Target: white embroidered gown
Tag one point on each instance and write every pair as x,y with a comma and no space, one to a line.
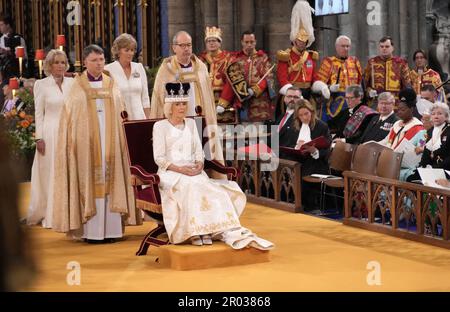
49,101
194,205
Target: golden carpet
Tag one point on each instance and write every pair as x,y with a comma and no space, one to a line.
311,254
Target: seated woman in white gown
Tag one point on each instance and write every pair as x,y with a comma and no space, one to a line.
195,207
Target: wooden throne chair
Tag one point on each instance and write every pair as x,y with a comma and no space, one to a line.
144,177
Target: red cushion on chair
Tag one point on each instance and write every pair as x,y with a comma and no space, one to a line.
138,134
149,195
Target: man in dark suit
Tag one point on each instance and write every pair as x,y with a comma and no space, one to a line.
379,126
286,121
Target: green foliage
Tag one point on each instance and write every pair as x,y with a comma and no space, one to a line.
151,76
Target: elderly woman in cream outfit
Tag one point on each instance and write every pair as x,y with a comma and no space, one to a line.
195,207
130,77
49,96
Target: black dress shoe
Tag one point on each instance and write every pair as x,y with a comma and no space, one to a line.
95,241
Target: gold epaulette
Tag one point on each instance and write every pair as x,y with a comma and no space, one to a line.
314,55
284,55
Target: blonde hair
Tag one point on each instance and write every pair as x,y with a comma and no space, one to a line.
304,104
50,59
167,109
123,41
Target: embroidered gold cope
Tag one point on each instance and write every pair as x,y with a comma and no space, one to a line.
79,178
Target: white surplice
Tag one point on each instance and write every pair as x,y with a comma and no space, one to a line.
49,100
105,224
134,90
197,205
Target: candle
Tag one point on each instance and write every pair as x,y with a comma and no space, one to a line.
13,84
20,52
40,55
60,41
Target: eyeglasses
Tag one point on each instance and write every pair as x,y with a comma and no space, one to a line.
293,97
350,97
184,45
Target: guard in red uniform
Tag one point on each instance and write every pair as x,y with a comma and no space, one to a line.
249,82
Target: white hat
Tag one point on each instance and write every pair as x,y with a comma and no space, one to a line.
301,22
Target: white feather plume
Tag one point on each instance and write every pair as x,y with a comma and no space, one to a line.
302,18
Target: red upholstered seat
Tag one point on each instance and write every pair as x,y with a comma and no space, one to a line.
144,177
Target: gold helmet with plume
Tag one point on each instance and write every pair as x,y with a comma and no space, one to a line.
301,22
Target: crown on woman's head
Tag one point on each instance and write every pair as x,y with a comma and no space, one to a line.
177,92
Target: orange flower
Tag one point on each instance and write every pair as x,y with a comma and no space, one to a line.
24,124
13,112
22,114
30,118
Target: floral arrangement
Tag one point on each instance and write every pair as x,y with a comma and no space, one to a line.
20,124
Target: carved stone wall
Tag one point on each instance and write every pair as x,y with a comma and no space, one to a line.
438,18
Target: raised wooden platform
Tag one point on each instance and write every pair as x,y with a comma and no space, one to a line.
188,257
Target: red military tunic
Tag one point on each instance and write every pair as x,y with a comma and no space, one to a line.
296,68
217,64
259,107
349,71
428,76
345,72
387,75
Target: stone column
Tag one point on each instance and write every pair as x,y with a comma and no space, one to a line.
348,25
425,31
205,15
261,10
181,17
430,21
278,26
404,28
326,32
225,20
210,13
375,32
438,12
413,32
246,19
